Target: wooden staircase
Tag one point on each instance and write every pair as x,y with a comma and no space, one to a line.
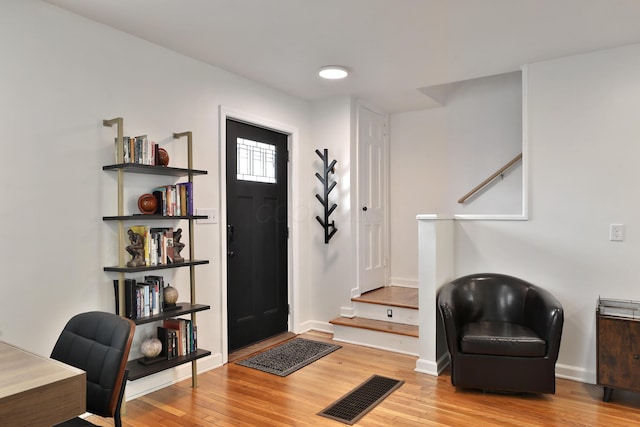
386,318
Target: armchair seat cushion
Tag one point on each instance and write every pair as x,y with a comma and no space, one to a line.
501,338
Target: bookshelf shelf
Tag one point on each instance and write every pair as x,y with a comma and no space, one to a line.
137,370
123,167
153,170
139,217
185,308
186,263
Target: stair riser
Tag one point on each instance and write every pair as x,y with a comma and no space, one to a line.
376,339
407,316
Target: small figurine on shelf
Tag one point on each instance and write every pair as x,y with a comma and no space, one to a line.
177,245
170,296
151,349
136,250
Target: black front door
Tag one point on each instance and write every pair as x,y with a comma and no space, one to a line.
257,302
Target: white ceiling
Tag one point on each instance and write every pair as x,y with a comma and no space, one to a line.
393,47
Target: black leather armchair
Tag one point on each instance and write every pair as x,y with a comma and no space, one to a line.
502,333
99,344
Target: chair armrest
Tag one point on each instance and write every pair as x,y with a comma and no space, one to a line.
452,326
544,314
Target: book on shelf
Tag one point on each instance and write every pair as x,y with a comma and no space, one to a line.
138,149
178,326
169,339
116,289
186,335
142,298
182,191
160,193
174,200
130,299
162,242
185,190
157,285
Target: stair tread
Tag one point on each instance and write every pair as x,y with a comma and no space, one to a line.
377,325
396,296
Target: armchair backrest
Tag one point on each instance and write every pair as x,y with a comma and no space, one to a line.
98,343
490,297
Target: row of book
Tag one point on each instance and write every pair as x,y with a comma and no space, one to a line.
179,337
140,150
161,244
143,298
174,200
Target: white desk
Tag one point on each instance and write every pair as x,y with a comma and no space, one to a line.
38,391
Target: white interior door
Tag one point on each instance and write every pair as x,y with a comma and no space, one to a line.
372,199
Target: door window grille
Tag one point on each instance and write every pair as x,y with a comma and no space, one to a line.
256,161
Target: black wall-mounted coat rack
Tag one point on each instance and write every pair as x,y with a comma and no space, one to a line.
329,227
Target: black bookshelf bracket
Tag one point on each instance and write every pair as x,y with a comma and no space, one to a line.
329,227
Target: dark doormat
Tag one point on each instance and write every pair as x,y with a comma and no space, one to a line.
355,404
289,357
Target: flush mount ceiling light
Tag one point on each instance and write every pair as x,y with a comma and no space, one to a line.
333,72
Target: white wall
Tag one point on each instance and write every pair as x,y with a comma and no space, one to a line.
442,153
61,76
584,151
332,265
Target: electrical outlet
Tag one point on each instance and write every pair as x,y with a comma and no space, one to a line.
616,232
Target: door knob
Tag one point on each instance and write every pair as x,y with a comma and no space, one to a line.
230,254
364,208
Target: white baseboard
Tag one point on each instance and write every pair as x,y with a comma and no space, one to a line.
407,283
432,368
349,312
575,373
314,325
566,372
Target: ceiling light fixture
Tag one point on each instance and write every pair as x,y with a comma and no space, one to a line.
333,72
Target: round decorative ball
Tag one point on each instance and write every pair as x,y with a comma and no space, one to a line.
151,348
147,204
170,295
163,157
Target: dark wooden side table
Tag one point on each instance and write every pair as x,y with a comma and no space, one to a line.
618,345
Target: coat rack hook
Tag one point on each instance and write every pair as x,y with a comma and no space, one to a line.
328,167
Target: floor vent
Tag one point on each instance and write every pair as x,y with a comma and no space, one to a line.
355,404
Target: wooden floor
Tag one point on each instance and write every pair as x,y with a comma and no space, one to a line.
237,396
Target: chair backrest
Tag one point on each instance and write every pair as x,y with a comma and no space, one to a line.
99,344
490,297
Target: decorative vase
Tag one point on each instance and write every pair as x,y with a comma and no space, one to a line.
163,157
170,296
151,348
148,204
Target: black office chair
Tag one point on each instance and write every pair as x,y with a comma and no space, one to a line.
99,344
